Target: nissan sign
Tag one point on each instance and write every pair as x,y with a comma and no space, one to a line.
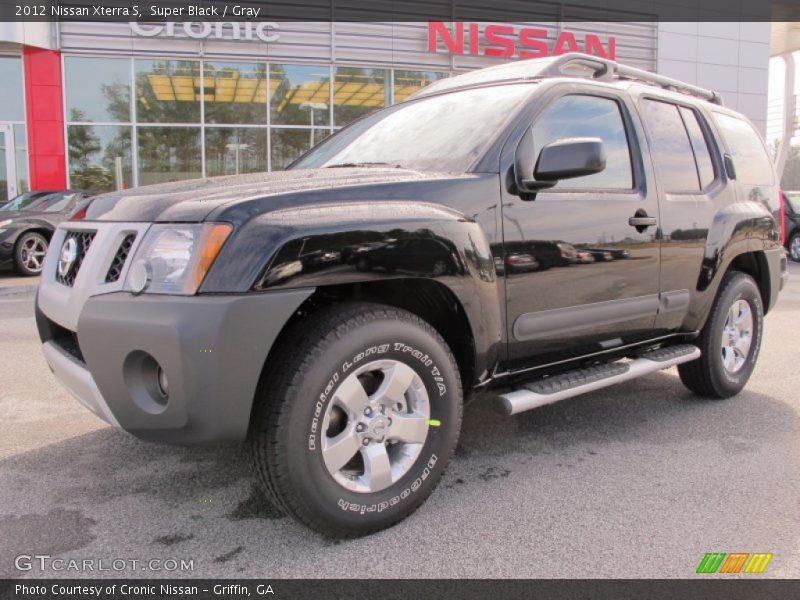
507,41
201,30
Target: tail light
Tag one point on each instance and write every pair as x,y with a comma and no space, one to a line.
80,215
782,208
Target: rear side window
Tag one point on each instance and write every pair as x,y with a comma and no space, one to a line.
588,116
672,150
702,154
753,166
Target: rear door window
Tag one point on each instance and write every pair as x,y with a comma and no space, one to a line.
672,152
702,153
750,159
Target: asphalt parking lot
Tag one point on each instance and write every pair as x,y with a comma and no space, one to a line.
640,480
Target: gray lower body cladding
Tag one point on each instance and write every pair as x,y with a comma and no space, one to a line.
212,349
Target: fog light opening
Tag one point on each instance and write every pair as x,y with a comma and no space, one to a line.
163,383
146,382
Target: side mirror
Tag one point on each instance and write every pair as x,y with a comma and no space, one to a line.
569,158
563,159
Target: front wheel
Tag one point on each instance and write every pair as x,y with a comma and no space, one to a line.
730,340
356,427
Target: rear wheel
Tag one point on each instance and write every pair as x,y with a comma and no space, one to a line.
358,423
29,253
730,340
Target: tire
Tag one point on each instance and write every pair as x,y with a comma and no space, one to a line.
313,399
708,375
794,247
29,252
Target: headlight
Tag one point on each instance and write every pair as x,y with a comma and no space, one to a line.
174,259
6,222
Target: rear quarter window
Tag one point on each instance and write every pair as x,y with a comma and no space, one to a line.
750,158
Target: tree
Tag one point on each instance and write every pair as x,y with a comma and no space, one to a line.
83,143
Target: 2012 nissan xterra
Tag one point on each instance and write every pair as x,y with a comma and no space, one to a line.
543,228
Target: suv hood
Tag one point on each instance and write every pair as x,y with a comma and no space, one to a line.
194,200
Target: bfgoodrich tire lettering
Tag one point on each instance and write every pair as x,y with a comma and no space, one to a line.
292,422
708,375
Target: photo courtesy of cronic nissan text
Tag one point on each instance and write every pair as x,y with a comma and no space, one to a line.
432,299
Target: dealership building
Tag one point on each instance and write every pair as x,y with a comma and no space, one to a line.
102,106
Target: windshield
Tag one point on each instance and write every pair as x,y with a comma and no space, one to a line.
794,200
41,201
437,133
22,201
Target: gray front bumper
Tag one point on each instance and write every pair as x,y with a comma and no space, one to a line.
212,348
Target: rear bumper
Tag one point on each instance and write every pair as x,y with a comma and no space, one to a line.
211,348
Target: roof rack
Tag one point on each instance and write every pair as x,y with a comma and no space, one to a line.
609,70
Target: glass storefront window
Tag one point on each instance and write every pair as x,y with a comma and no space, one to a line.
169,154
21,143
168,91
12,104
99,157
13,161
98,89
300,95
179,104
5,196
289,144
235,93
235,150
358,91
409,82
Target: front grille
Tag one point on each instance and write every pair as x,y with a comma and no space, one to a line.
84,240
115,270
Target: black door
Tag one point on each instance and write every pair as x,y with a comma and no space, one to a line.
690,192
597,281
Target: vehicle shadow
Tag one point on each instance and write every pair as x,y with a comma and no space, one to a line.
656,409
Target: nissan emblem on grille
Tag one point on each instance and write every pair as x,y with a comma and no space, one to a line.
69,253
71,256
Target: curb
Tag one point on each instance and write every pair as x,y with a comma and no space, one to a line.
13,290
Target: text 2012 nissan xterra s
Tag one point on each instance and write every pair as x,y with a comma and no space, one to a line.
544,228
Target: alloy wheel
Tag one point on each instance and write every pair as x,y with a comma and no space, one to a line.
32,254
794,248
737,336
375,426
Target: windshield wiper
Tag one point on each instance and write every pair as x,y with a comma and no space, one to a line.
360,164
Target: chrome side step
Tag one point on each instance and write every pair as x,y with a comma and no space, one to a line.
573,383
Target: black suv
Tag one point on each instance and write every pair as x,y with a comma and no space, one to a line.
298,311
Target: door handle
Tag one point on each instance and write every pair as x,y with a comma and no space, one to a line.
644,222
641,221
